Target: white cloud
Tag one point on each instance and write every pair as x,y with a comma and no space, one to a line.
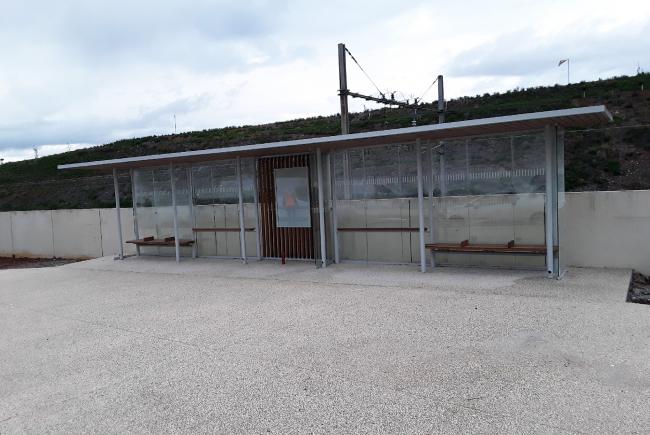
94,72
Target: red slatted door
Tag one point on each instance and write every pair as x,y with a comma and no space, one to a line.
281,242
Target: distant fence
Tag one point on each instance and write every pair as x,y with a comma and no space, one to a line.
601,229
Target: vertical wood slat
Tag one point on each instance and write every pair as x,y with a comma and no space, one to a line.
276,242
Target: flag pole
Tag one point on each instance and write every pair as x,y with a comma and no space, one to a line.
568,69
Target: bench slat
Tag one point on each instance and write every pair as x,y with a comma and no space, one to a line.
508,248
161,242
220,230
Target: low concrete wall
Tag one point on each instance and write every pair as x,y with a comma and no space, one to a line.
599,229
608,229
82,234
6,236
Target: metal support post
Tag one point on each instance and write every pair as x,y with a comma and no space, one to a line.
512,161
423,259
242,230
321,208
550,199
136,232
190,187
467,172
117,212
177,242
258,226
343,91
560,197
335,224
441,100
431,205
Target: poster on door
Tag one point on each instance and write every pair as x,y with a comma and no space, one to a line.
293,209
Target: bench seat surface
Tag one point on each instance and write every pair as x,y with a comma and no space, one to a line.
487,248
161,242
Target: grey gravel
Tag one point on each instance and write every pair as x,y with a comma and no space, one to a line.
146,345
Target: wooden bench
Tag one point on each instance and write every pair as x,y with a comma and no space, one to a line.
506,248
219,230
167,241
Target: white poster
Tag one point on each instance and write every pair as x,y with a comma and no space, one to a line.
292,207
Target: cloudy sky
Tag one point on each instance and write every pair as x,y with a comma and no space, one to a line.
75,73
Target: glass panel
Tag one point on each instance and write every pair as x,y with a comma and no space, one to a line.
183,205
453,173
490,161
408,171
529,181
143,187
390,245
382,172
493,194
487,190
162,201
216,199
204,215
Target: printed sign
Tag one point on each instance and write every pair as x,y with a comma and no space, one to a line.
292,207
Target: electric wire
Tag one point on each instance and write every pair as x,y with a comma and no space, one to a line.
428,89
366,74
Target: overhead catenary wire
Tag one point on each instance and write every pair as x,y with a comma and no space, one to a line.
365,73
428,89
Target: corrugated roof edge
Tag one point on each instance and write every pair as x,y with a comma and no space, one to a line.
600,112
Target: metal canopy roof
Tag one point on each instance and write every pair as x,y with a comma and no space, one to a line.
576,117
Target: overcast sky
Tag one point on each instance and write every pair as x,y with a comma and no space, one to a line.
83,72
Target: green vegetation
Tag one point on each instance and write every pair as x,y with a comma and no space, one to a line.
614,158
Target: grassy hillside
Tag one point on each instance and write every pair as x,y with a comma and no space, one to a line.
615,158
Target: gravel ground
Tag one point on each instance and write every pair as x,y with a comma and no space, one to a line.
639,291
205,346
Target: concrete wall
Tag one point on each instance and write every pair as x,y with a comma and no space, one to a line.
601,229
608,229
86,233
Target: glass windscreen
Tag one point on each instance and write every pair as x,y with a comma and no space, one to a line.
486,190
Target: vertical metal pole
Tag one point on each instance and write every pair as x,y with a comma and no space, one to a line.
441,119
343,91
190,187
345,119
432,206
512,161
117,212
549,139
335,224
242,230
136,231
423,259
441,100
321,208
258,226
560,198
467,173
177,242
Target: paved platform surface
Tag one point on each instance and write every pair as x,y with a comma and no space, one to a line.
205,346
